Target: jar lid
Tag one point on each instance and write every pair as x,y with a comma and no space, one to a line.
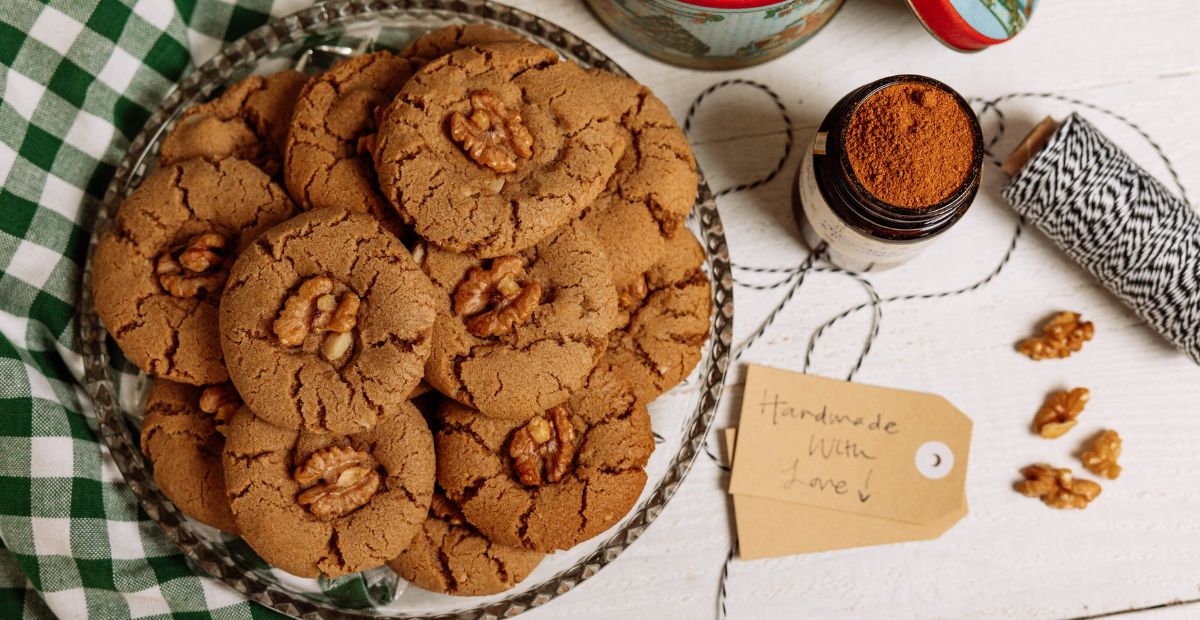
972,25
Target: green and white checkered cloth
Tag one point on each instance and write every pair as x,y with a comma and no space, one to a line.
78,79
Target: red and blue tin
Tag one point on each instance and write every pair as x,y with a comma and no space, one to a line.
972,25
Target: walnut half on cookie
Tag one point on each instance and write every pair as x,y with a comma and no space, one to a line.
161,273
548,485
325,322
329,505
518,334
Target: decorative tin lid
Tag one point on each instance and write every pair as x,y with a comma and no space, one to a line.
972,25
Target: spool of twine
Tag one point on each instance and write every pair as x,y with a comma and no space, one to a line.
1118,222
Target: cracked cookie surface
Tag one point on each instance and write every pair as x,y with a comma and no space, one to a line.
614,439
164,335
449,556
183,444
460,204
296,386
248,121
261,461
661,342
326,158
653,188
437,43
541,361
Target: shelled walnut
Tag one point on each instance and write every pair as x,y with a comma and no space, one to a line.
313,308
492,135
497,299
222,401
1062,335
336,482
1057,487
543,450
1101,458
197,266
442,508
1058,413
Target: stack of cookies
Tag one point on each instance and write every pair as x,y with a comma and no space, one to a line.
410,311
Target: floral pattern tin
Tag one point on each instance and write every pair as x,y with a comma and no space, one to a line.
715,34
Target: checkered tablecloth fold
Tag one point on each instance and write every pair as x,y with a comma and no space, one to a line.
78,79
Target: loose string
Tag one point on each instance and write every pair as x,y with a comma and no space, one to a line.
783,113
794,276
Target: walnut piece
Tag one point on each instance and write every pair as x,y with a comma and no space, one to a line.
197,266
1058,413
1062,335
632,294
336,481
1101,458
442,508
543,450
493,135
222,401
1057,487
497,299
313,308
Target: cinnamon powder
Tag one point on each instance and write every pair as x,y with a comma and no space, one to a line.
910,145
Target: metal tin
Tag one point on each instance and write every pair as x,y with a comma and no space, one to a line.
973,25
714,34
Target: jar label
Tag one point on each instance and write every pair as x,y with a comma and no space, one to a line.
848,248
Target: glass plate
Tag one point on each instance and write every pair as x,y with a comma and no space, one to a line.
312,39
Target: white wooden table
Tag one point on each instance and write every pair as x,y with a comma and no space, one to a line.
1138,545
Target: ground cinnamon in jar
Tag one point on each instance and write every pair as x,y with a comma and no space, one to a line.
910,145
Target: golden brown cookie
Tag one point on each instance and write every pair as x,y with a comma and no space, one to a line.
248,121
666,315
437,43
325,504
556,480
451,557
180,437
551,308
325,322
491,148
158,275
326,163
653,188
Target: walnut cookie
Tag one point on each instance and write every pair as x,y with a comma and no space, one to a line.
325,322
324,163
248,121
518,334
653,188
437,43
329,505
451,557
158,275
491,148
666,315
182,437
556,480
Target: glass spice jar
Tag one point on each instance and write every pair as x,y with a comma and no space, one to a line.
861,231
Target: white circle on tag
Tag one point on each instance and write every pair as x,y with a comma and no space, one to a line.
934,460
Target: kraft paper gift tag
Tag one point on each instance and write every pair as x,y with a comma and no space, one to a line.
820,464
